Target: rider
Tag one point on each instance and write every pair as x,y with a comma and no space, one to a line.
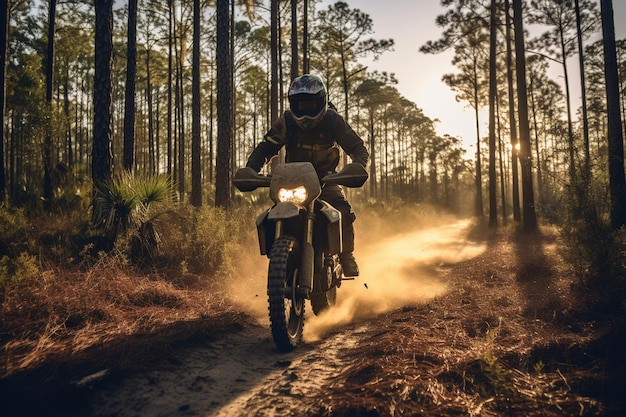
310,131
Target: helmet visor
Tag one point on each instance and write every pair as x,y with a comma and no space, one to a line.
307,106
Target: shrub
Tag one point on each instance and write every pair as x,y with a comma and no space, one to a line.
14,231
593,248
21,272
127,206
202,240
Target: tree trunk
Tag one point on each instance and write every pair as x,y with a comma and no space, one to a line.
211,130
170,74
512,122
294,39
224,105
68,147
493,90
152,146
101,156
478,202
502,171
529,217
131,72
373,156
617,181
274,45
180,114
196,169
581,64
47,144
305,38
568,106
4,32
533,107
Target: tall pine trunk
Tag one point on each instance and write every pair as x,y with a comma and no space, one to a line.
274,45
294,39
305,38
224,105
101,156
47,144
512,121
170,74
478,199
617,181
4,31
196,169
583,89
529,217
129,104
493,90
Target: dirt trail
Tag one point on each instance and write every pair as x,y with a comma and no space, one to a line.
243,374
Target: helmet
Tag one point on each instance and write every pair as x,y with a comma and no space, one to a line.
307,100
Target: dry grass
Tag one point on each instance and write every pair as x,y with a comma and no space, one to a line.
507,339
510,337
110,312
62,300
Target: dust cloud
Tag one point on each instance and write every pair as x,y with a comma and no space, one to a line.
398,268
248,288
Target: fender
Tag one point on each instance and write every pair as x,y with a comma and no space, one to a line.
284,210
265,232
261,232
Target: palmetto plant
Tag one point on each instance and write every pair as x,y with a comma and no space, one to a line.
127,206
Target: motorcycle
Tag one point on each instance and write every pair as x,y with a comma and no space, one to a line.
301,236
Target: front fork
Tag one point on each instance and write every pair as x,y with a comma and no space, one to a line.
307,262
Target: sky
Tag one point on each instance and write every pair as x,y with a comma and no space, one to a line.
411,24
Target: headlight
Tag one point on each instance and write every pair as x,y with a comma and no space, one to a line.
295,195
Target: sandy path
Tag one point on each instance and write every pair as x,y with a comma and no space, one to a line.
243,374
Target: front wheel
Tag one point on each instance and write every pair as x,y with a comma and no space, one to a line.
286,305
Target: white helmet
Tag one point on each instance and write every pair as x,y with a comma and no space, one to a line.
307,100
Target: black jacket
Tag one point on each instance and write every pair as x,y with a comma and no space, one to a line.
318,145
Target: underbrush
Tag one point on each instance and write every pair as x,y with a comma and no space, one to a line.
596,252
61,297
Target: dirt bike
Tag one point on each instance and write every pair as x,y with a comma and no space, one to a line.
301,236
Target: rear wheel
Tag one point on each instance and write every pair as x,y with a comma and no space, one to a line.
324,293
322,302
286,306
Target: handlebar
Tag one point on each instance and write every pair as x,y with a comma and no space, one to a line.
247,179
352,175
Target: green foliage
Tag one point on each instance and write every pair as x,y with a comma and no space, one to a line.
593,249
130,203
23,270
204,240
199,242
495,372
14,230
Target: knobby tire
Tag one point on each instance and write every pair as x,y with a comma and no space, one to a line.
286,312
323,297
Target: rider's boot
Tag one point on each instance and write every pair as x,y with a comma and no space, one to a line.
348,264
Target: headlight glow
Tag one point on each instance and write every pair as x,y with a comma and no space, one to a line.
295,195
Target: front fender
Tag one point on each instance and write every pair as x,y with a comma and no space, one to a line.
266,236
284,210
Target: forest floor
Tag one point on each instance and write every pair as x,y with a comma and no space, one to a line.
444,320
